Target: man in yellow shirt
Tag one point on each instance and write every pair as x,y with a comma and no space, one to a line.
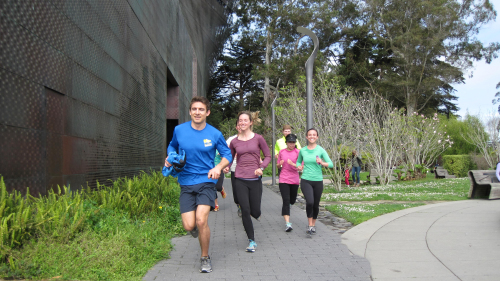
281,143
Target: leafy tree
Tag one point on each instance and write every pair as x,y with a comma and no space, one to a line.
455,128
272,24
412,51
233,77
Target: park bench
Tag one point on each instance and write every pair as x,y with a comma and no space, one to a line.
484,184
375,175
442,173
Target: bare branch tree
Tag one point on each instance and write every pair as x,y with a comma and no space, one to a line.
384,134
425,140
475,134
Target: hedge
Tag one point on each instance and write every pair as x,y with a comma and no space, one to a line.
458,165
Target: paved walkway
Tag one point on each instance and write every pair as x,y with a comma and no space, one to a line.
279,255
447,241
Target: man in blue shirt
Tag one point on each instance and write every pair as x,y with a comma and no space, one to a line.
199,141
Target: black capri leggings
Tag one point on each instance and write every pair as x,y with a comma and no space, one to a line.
289,196
249,196
312,191
233,185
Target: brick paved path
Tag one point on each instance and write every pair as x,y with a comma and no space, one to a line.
279,255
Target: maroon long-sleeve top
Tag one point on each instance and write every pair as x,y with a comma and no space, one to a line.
248,156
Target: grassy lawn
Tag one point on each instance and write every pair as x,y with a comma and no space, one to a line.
358,213
357,207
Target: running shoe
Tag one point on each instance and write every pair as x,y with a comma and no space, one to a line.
288,227
239,211
206,265
251,246
194,232
216,208
313,229
308,232
223,193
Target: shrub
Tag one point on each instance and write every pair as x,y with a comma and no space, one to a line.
141,211
458,165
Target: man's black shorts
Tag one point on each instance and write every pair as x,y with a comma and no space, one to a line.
197,194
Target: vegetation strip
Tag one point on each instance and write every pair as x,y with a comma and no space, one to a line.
115,232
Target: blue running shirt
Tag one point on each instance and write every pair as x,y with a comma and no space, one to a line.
200,147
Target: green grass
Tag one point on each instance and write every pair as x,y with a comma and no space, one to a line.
408,193
116,232
358,213
428,189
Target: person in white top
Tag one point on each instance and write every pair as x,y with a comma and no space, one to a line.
233,169
498,171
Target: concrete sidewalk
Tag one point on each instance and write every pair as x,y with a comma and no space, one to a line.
279,255
448,241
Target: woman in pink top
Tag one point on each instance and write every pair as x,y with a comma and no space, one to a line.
289,177
247,147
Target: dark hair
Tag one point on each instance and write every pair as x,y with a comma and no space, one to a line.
203,100
245,112
312,129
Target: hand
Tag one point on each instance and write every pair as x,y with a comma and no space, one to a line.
282,162
300,168
226,170
167,164
258,172
290,162
318,160
214,173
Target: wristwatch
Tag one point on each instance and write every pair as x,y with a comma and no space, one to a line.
262,168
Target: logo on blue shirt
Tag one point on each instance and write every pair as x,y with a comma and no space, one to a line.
207,142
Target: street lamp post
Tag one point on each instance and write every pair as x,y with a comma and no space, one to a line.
309,74
273,104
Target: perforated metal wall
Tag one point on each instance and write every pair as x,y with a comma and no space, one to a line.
84,84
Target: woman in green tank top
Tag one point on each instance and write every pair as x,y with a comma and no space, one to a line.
314,158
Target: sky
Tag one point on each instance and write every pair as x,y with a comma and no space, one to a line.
478,92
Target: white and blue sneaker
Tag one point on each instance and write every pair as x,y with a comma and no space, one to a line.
251,246
288,227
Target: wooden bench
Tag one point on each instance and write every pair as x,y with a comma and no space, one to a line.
442,173
484,184
375,175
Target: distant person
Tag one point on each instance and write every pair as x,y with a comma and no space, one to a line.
246,148
289,178
356,168
219,185
314,158
281,143
233,169
199,141
346,174
498,171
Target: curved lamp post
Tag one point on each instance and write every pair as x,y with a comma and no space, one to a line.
309,74
273,104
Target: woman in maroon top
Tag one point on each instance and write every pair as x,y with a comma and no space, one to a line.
247,147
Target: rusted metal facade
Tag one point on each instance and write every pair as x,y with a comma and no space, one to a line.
87,87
